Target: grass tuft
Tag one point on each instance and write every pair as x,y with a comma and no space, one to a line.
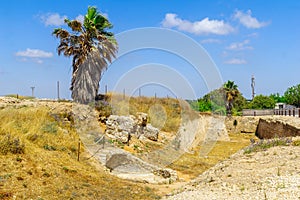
266,144
9,144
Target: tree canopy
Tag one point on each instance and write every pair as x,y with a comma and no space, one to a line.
92,48
292,95
262,102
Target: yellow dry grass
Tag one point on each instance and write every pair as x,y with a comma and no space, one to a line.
192,165
164,113
49,168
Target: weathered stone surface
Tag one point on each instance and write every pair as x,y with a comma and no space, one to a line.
127,166
142,119
271,128
122,128
119,127
151,132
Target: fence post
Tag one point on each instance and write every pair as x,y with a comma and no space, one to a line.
254,113
298,112
293,112
289,112
284,112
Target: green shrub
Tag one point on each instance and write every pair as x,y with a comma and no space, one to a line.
8,144
50,127
266,144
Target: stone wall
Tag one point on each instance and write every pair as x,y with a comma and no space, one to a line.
246,124
270,128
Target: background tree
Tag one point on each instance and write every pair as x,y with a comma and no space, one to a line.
231,92
92,48
292,95
239,103
262,102
277,98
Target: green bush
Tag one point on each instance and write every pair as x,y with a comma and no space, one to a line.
8,144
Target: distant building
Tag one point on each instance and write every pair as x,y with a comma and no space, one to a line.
284,106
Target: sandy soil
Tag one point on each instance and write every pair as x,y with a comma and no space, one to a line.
271,174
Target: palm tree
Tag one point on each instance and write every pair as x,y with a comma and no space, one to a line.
92,48
231,92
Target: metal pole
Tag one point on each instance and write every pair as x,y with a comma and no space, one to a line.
57,90
32,91
123,93
140,92
105,89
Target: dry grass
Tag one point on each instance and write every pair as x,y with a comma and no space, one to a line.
19,96
192,165
164,113
48,168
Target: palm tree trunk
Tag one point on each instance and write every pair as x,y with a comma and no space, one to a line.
85,81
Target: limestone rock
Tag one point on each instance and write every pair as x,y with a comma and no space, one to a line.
151,132
142,119
119,127
122,128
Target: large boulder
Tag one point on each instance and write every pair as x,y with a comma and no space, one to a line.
127,166
122,128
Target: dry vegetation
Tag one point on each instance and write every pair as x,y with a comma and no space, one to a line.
38,160
38,153
166,110
192,165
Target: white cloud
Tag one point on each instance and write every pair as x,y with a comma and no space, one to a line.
247,20
240,46
205,26
34,53
210,40
53,19
38,61
253,35
80,18
236,61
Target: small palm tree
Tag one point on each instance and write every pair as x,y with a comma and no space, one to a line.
92,48
231,92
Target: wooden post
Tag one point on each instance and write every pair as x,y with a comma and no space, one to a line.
289,112
293,112
78,153
254,113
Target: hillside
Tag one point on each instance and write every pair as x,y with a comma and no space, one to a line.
39,146
38,157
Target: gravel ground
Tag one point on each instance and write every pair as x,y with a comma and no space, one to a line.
271,174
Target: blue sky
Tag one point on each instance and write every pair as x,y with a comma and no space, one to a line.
243,38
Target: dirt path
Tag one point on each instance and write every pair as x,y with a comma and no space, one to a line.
271,174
